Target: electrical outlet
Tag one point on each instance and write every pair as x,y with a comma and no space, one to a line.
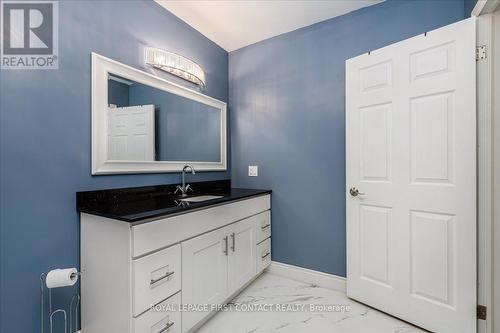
253,170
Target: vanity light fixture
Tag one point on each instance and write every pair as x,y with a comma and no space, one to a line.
174,64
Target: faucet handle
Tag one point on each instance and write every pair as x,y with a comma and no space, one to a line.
188,187
177,189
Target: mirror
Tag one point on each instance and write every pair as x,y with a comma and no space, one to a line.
149,124
142,123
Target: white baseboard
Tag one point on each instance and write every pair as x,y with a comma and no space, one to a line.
320,279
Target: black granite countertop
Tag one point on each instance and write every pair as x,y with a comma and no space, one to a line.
138,204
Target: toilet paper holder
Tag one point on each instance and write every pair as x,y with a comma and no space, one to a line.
52,314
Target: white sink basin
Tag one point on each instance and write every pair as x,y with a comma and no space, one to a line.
201,198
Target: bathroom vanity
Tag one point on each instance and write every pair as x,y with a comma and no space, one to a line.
153,263
163,258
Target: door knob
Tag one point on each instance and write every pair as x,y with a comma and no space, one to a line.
355,192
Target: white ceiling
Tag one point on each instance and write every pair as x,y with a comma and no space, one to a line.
233,24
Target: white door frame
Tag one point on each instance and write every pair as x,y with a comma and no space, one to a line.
485,107
496,172
485,7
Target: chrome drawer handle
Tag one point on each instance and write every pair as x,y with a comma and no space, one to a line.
265,226
233,236
168,274
266,255
225,246
167,327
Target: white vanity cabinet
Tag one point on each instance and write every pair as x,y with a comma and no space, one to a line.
216,265
137,277
204,273
241,254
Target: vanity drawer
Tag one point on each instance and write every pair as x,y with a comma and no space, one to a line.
263,228
263,255
164,318
156,277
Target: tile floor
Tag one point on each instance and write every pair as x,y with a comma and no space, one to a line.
282,293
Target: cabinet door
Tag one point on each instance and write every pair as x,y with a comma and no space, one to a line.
242,266
204,274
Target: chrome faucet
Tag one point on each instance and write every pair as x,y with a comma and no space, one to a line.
185,188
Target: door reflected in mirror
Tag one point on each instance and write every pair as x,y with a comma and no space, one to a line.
149,124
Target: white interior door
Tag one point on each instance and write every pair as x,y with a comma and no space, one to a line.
131,133
411,162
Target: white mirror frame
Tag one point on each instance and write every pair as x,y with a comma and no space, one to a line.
101,67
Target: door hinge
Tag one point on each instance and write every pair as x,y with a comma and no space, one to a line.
481,312
480,52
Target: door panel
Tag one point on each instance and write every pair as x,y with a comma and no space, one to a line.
377,76
131,133
376,142
432,135
411,154
204,273
431,256
433,61
375,223
242,265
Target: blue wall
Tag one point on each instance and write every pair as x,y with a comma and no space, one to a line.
469,6
286,96
118,93
45,140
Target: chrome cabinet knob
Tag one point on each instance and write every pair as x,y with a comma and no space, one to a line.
355,192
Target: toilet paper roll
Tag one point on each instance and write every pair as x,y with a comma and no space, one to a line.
57,278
